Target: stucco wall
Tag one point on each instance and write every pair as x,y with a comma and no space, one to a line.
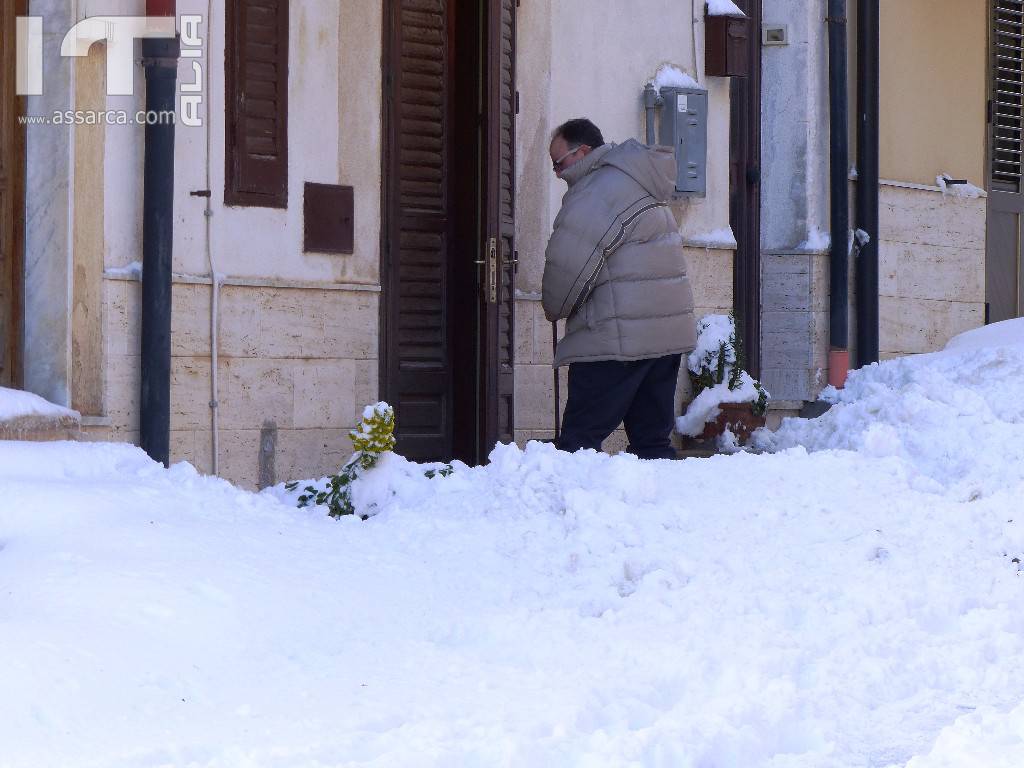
933,89
794,129
794,203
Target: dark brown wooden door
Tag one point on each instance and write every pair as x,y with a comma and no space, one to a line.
447,245
12,201
745,192
417,361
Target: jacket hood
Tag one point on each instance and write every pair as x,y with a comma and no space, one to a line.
653,168
585,164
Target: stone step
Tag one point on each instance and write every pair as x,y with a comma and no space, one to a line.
37,428
26,416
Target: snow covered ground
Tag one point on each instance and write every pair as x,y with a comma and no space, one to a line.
853,599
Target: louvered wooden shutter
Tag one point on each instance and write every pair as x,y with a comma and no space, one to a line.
257,103
501,217
1007,91
419,378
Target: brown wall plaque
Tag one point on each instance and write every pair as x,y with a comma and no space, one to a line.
329,214
726,41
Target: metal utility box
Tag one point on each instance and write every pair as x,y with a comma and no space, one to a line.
684,127
726,48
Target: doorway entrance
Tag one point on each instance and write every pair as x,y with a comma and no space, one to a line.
12,202
447,252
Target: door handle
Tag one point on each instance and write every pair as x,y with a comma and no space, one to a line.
491,262
492,270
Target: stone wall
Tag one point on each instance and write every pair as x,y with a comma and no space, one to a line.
794,324
298,362
931,268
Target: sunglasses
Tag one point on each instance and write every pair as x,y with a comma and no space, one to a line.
556,165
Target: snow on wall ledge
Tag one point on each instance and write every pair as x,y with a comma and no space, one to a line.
26,416
724,8
16,404
670,76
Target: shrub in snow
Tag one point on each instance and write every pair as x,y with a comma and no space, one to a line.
374,438
716,372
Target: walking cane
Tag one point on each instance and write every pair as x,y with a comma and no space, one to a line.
554,345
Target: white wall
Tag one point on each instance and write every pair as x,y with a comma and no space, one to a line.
794,125
334,138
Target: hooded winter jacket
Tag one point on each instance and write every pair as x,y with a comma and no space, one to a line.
614,265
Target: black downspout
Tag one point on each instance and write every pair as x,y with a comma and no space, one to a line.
161,62
867,179
839,164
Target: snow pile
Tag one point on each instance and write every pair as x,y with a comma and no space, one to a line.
16,404
824,609
983,738
1009,333
669,76
712,332
953,417
724,8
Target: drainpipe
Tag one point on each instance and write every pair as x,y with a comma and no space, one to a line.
651,103
839,163
867,179
160,58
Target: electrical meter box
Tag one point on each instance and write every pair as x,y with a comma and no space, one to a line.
684,127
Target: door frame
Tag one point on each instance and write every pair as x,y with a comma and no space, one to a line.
12,217
498,396
745,192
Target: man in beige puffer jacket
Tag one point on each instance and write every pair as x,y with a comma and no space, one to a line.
615,268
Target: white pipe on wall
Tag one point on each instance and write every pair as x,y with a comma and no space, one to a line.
215,277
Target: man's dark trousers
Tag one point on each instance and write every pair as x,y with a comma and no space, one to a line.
639,394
